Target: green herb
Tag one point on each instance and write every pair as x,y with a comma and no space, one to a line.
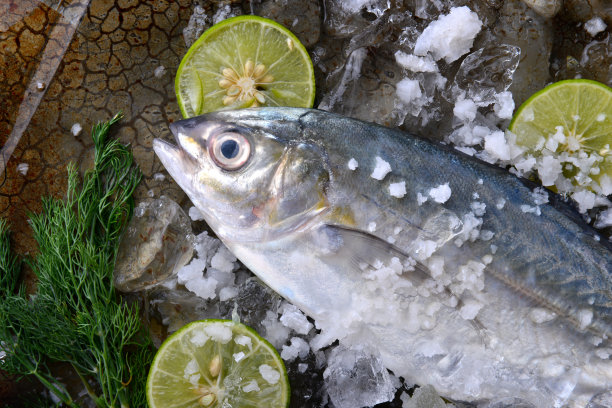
76,316
9,263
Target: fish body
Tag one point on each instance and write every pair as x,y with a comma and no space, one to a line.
486,294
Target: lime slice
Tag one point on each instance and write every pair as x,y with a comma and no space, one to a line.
242,62
217,363
577,115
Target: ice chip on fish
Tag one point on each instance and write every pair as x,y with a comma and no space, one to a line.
274,185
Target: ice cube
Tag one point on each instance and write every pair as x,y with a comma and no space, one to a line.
206,246
276,333
293,318
159,71
219,332
397,189
178,307
255,302
364,88
381,169
465,109
427,9
211,272
546,9
603,400
421,199
441,193
510,402
504,105
269,374
485,73
605,182
604,219
450,36
223,12
470,309
414,63
585,200
251,386
539,196
228,292
76,129
356,378
595,62
157,243
478,208
423,397
223,260
408,90
298,348
22,168
198,22
344,18
195,214
192,276
540,315
497,146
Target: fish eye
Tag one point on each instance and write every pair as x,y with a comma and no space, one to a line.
229,150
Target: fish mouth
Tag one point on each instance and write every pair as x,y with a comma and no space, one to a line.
178,128
175,159
195,149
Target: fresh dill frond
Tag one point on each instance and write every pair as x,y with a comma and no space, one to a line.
76,316
10,265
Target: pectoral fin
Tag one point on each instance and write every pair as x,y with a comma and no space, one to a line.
361,251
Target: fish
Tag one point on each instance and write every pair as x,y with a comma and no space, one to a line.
455,272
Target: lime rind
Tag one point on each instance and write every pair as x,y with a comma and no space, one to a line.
560,84
169,381
583,108
228,44
551,103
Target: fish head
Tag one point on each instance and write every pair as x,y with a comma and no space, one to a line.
252,173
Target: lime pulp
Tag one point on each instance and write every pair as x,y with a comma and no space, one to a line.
242,62
217,363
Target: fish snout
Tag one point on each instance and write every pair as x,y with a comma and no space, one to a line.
189,140
177,128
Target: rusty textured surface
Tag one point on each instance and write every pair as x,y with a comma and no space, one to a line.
108,66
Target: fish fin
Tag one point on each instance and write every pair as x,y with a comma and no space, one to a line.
367,251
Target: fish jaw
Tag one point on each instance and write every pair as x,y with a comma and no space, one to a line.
179,164
309,273
278,190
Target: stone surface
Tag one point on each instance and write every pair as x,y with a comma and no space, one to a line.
302,17
521,26
103,70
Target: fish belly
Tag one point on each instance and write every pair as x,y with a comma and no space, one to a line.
481,345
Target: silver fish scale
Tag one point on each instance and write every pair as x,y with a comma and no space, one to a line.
419,283
550,258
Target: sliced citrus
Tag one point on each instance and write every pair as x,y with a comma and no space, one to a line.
214,364
242,62
571,120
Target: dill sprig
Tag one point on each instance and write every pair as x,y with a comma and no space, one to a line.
10,265
76,316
